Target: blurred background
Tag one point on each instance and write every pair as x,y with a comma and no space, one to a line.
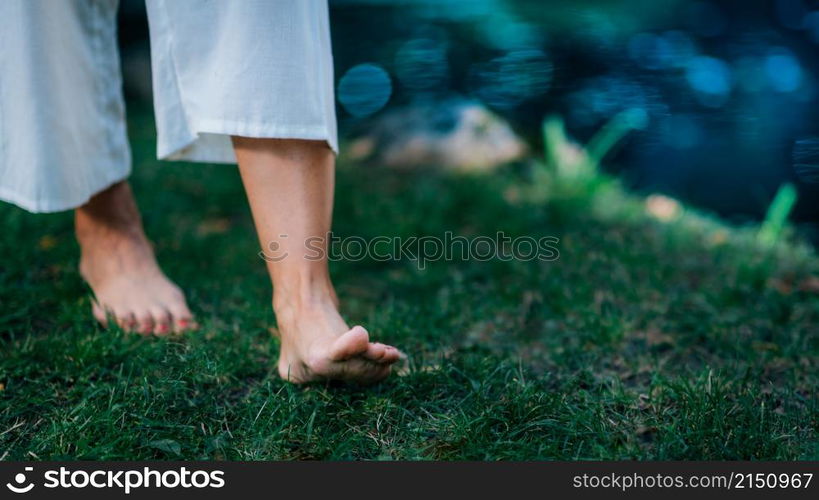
724,88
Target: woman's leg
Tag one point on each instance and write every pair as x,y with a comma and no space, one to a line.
62,117
119,264
289,184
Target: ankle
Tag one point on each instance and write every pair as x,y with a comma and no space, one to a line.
294,302
105,246
105,242
110,216
108,238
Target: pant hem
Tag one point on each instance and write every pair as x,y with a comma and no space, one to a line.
38,206
211,142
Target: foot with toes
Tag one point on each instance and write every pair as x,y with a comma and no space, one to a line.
119,265
317,345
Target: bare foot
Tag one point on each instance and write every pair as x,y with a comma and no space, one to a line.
118,263
316,345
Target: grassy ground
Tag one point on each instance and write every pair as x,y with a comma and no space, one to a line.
669,338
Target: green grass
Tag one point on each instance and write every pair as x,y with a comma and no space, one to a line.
679,338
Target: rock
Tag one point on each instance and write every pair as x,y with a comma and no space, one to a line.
454,133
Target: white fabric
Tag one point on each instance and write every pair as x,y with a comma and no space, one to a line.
254,68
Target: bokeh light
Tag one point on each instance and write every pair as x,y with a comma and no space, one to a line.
683,48
421,64
711,79
599,99
650,51
673,49
506,32
783,70
505,82
364,89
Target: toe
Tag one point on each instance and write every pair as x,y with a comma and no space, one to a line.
378,374
361,371
375,351
99,313
184,324
352,343
391,355
182,317
126,320
162,321
144,322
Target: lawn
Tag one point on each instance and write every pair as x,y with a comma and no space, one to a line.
659,333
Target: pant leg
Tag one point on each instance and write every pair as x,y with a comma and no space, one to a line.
254,68
62,127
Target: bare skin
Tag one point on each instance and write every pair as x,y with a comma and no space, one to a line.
289,185
118,263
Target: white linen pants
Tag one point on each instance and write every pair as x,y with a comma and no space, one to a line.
254,68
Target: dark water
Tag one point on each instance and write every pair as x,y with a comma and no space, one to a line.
728,86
